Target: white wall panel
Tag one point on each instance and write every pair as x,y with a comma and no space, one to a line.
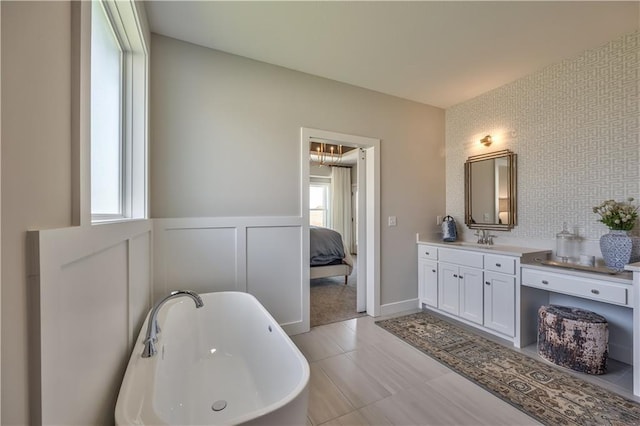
90,287
139,272
91,310
273,271
261,255
200,259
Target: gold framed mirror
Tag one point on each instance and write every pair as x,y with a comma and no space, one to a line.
490,195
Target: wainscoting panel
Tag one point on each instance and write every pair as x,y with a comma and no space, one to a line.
274,256
139,272
258,255
202,260
89,289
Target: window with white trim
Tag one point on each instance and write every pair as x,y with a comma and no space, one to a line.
319,204
119,69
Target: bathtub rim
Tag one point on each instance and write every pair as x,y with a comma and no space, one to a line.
126,414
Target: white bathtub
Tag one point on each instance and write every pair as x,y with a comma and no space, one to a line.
230,350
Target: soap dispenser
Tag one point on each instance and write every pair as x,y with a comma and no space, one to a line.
565,242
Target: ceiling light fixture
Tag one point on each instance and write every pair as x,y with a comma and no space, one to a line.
326,154
486,141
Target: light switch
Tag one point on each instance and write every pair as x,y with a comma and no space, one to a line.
393,221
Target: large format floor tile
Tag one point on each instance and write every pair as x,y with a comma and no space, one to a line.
363,375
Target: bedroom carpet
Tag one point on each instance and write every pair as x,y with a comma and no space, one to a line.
332,301
542,391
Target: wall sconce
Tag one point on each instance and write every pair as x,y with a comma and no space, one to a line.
486,141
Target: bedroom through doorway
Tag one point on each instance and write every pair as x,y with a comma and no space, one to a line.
365,224
367,266
333,221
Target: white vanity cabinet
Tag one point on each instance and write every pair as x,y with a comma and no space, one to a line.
460,283
427,275
428,282
474,284
500,302
471,299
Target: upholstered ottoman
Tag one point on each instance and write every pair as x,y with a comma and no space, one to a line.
573,338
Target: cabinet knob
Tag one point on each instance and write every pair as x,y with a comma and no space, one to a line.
487,283
433,270
498,265
460,276
545,282
455,276
427,253
595,291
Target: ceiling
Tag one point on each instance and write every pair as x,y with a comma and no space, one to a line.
437,53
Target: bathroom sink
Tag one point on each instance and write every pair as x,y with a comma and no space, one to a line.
471,244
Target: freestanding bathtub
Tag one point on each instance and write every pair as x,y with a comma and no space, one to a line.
226,363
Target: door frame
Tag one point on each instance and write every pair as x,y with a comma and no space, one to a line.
369,240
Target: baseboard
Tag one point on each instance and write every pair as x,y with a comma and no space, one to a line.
293,328
621,353
396,307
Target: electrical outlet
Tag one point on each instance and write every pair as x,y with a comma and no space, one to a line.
438,220
393,221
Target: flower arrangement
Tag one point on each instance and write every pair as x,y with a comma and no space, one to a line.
616,215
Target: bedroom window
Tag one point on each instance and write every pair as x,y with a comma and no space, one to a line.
118,117
319,204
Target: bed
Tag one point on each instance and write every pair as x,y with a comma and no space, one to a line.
329,256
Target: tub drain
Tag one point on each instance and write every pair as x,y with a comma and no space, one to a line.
219,405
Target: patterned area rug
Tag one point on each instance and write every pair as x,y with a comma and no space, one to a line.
332,301
546,393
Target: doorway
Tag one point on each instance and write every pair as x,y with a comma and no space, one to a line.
368,222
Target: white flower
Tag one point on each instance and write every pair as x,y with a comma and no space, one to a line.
617,221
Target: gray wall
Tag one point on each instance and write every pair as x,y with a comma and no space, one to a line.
225,141
36,164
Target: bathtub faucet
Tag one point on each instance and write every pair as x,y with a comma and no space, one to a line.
153,328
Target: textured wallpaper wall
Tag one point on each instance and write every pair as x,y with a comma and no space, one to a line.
575,128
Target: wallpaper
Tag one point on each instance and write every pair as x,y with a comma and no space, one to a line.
574,126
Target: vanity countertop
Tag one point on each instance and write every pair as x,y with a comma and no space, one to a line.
489,249
633,267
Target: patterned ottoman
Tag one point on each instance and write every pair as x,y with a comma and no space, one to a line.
573,338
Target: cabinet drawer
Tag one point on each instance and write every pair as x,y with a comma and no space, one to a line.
461,257
504,264
427,252
583,287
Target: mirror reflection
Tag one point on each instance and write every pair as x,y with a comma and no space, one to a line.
490,191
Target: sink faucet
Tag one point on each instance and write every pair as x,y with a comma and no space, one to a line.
153,328
484,237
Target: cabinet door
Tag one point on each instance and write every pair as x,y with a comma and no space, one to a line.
448,288
500,302
471,294
428,282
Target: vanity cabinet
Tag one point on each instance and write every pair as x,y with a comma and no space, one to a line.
500,302
428,282
474,284
461,291
427,275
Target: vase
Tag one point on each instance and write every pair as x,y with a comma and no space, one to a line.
619,249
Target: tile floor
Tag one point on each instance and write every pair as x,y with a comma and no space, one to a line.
363,375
